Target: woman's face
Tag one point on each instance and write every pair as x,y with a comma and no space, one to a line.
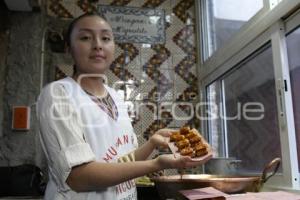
92,45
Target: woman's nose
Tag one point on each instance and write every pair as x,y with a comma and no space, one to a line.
97,44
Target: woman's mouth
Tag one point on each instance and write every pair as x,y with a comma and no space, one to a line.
97,57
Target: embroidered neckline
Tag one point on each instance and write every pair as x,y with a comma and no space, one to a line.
106,104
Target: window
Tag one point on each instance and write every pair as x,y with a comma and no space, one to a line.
293,48
252,136
248,112
225,17
250,72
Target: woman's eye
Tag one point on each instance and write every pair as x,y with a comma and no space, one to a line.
84,38
106,38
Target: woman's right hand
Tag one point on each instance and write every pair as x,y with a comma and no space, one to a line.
168,161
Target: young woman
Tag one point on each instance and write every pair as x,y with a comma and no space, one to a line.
86,133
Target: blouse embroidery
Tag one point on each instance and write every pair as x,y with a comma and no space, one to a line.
106,104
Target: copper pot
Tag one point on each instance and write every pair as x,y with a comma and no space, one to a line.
168,186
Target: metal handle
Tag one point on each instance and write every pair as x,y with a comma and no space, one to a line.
280,91
275,163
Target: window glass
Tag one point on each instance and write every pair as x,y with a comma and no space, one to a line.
250,112
225,17
293,48
214,111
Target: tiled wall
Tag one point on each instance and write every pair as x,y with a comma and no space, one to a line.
156,76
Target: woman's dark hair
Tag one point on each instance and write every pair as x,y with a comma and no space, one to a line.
68,32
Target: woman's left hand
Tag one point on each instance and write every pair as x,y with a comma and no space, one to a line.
160,137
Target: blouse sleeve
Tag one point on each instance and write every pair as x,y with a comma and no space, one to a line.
62,137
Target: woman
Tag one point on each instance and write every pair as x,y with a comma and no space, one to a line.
86,133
